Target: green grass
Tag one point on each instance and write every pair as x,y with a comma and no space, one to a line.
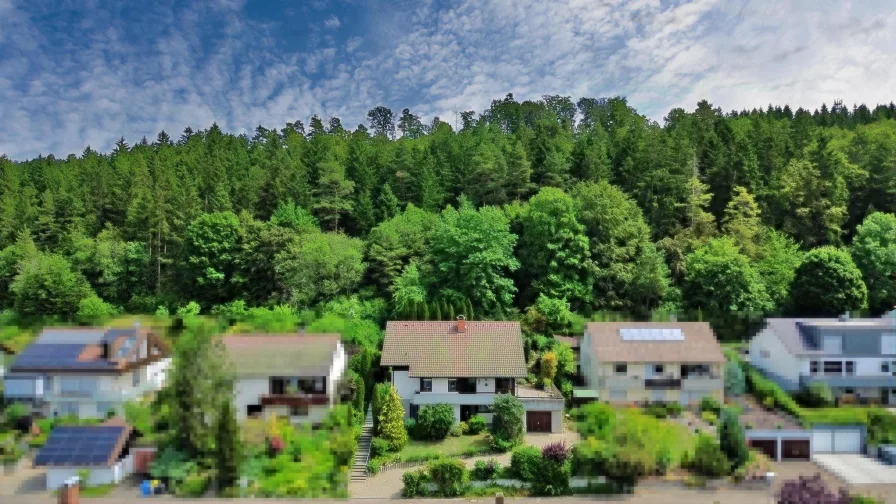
449,447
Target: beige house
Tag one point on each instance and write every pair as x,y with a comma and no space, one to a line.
641,362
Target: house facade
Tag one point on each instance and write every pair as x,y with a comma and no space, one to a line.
89,372
294,376
855,357
652,362
466,365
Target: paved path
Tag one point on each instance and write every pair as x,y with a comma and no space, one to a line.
857,469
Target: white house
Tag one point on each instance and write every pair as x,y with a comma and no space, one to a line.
467,365
855,357
88,372
293,376
103,451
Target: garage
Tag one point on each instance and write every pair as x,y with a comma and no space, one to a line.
837,440
538,421
769,447
795,449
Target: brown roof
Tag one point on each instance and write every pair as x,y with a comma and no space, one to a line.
289,354
569,340
699,344
436,349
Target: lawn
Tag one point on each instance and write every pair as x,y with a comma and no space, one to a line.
450,447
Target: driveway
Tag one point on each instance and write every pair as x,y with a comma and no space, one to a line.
857,469
28,480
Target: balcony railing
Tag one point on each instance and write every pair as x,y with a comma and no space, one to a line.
298,399
662,383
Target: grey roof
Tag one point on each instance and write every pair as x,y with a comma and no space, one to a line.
290,354
82,336
58,356
798,334
698,344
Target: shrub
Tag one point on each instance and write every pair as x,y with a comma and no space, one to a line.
709,417
674,409
769,403
735,382
15,412
548,367
507,425
732,440
709,460
434,421
456,430
711,404
525,462
476,424
553,472
810,489
464,427
818,395
664,461
379,447
414,483
485,470
555,452
449,475
657,411
391,421
194,485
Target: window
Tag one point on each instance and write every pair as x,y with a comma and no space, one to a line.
135,378
884,367
278,386
850,367
452,385
104,408
849,391
299,411
481,408
833,367
813,367
888,344
318,384
504,385
658,368
425,384
621,369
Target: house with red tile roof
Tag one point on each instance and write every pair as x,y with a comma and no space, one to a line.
293,375
466,364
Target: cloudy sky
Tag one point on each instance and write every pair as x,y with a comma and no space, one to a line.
86,72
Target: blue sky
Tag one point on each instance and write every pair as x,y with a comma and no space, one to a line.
87,72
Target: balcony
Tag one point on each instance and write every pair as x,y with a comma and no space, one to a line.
453,398
851,381
100,395
298,399
703,382
662,383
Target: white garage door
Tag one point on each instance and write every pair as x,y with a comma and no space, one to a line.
822,441
836,441
847,441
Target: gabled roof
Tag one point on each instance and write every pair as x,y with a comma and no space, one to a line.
289,354
84,445
438,350
82,349
800,335
698,345
572,341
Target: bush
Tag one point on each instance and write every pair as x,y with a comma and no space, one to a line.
708,459
555,452
507,426
476,424
414,483
554,471
769,403
811,489
525,462
449,475
456,430
410,425
817,395
434,421
15,412
709,417
732,440
735,382
485,470
770,394
711,404
674,409
464,427
656,411
379,447
194,485
548,367
391,420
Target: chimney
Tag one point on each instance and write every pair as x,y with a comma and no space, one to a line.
461,324
844,317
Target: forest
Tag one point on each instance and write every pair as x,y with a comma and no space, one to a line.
534,208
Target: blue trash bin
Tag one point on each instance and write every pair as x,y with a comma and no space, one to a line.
146,488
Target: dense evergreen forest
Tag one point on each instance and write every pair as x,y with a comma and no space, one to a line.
523,205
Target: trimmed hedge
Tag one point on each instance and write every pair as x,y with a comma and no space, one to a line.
525,462
476,424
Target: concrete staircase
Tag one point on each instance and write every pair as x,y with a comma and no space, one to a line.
359,469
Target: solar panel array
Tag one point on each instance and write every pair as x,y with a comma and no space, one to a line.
80,446
58,356
651,334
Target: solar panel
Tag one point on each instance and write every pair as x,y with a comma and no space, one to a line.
651,334
80,445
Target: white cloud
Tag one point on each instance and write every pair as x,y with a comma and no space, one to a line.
352,44
332,22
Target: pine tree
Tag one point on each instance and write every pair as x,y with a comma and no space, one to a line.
388,205
228,451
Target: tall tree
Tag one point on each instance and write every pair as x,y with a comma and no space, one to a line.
381,121
828,284
332,194
874,252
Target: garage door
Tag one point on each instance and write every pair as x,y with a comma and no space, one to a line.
795,449
837,441
538,421
767,446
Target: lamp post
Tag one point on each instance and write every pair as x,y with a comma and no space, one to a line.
770,476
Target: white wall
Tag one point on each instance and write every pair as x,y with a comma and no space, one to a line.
248,391
157,372
337,369
485,385
56,476
780,365
405,385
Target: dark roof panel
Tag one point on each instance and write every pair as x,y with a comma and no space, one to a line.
57,356
83,445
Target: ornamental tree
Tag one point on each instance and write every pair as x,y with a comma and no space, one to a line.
828,284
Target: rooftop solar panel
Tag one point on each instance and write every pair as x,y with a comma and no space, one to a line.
651,334
81,445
